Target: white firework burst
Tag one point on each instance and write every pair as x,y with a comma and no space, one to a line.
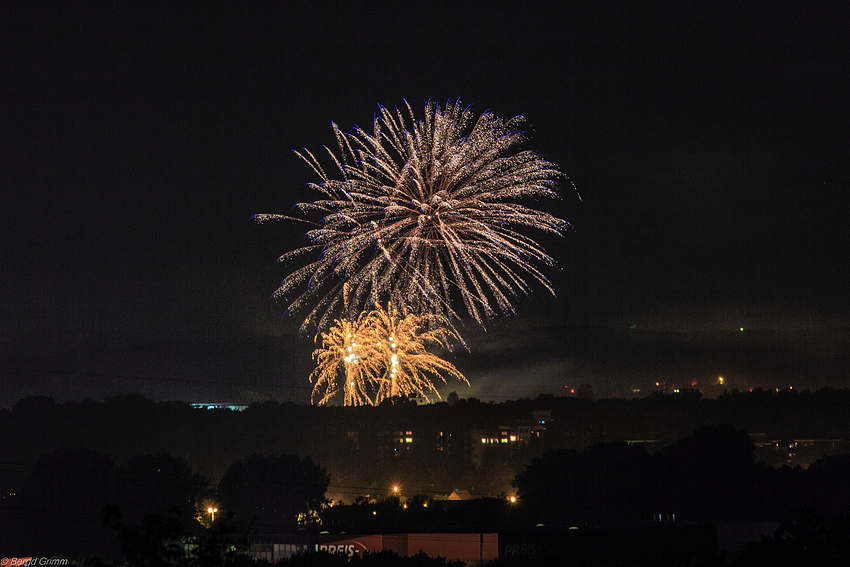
425,215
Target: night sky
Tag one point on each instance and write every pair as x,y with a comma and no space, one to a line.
709,146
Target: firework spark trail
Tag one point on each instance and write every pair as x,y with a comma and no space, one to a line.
404,340
348,360
381,355
424,211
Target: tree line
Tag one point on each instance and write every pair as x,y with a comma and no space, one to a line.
80,502
355,445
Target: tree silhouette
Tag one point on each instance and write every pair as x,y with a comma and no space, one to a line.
59,506
153,484
711,474
610,484
807,538
265,494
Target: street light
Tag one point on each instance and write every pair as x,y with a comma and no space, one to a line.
212,512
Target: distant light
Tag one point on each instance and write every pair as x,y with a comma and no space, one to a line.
742,329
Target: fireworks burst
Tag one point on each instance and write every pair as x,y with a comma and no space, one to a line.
424,211
409,364
382,354
350,347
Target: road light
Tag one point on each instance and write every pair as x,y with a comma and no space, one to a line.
212,512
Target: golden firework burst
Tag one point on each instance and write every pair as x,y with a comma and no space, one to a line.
404,341
382,354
